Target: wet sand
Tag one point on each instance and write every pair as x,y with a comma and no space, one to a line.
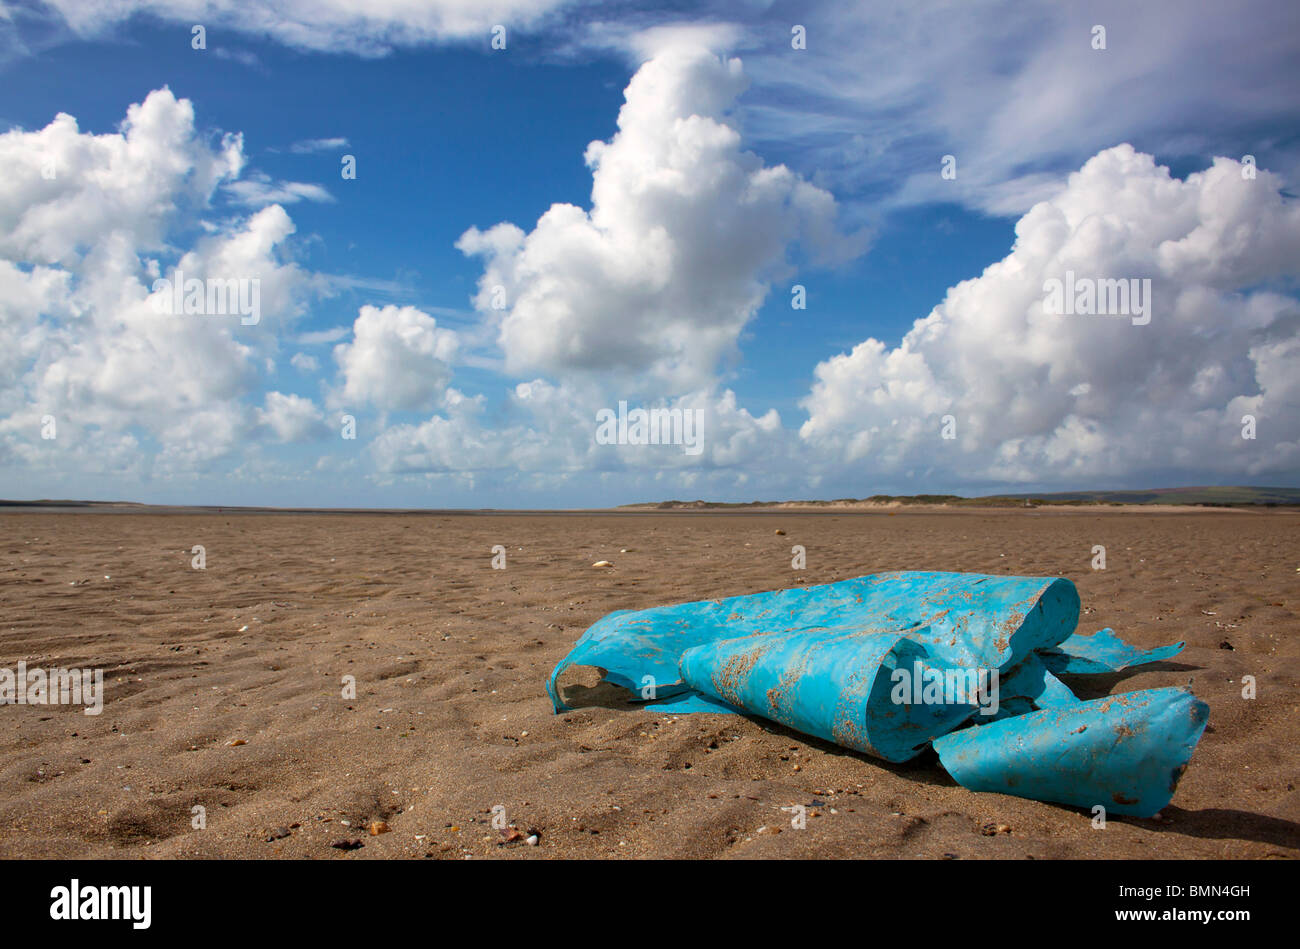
223,686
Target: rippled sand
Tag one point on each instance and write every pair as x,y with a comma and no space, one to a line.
450,717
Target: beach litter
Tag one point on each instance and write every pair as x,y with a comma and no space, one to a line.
891,664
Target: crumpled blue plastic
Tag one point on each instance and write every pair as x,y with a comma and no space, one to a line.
851,662
1103,651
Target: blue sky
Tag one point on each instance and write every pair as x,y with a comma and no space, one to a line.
658,271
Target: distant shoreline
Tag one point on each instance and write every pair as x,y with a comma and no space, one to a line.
1232,497
1159,500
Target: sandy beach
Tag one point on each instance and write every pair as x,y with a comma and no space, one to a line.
224,687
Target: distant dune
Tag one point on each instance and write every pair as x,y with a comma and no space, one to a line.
1217,496
1148,499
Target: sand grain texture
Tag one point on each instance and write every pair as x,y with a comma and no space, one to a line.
451,718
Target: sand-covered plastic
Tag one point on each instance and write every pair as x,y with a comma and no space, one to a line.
891,664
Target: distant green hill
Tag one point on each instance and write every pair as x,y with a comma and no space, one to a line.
1218,496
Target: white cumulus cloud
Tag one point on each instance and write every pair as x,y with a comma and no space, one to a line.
686,230
291,417
64,192
399,358
1046,398
86,224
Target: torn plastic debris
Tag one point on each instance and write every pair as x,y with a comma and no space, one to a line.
888,664
1125,752
1103,651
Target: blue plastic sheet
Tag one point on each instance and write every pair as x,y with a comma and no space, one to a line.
1123,752
1103,651
891,664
